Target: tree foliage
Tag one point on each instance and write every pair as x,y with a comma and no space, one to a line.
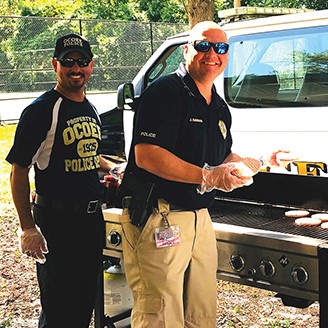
299,4
110,9
173,11
9,7
164,10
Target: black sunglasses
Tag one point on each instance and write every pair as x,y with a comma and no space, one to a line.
220,48
69,62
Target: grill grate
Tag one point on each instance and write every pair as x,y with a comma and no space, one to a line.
263,217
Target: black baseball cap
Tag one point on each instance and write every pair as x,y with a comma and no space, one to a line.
72,43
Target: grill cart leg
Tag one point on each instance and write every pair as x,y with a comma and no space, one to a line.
99,306
110,321
323,285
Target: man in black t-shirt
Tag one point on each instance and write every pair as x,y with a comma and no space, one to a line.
58,134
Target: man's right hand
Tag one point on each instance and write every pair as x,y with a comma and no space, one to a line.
32,243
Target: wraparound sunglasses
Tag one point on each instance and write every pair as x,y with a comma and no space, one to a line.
220,48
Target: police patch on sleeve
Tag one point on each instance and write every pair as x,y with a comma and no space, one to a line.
148,134
223,129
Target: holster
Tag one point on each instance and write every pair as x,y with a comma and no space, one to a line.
141,202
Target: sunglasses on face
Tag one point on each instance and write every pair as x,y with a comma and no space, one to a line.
220,48
69,62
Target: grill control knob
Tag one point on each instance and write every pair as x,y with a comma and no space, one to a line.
237,262
251,272
114,238
267,268
300,275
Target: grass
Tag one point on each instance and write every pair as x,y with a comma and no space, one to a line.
5,323
276,323
6,140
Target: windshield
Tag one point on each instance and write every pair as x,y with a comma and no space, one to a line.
278,69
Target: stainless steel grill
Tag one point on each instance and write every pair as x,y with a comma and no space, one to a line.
259,246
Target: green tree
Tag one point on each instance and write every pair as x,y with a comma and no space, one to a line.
173,11
309,4
110,9
49,8
9,7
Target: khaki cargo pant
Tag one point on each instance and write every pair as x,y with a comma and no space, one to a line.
173,287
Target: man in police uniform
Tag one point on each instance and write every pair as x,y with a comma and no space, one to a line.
59,134
181,124
181,152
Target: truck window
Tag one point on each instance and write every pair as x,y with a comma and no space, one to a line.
278,69
167,63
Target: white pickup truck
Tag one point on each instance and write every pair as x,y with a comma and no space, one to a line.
276,86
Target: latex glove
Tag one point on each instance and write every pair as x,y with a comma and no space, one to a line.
279,158
32,243
225,177
117,171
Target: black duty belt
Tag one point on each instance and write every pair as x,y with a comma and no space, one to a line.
89,207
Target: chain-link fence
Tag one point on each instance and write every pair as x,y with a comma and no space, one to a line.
120,49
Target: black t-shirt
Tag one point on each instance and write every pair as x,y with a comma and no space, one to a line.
174,115
60,137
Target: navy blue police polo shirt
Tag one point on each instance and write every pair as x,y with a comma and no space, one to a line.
174,115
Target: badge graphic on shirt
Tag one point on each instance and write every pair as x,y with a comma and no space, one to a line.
223,129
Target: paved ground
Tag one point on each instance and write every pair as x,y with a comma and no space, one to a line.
11,105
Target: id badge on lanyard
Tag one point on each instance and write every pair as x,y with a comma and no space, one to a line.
166,235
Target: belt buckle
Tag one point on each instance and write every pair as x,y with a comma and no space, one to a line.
92,206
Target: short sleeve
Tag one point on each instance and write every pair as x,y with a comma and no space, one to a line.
31,131
159,114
